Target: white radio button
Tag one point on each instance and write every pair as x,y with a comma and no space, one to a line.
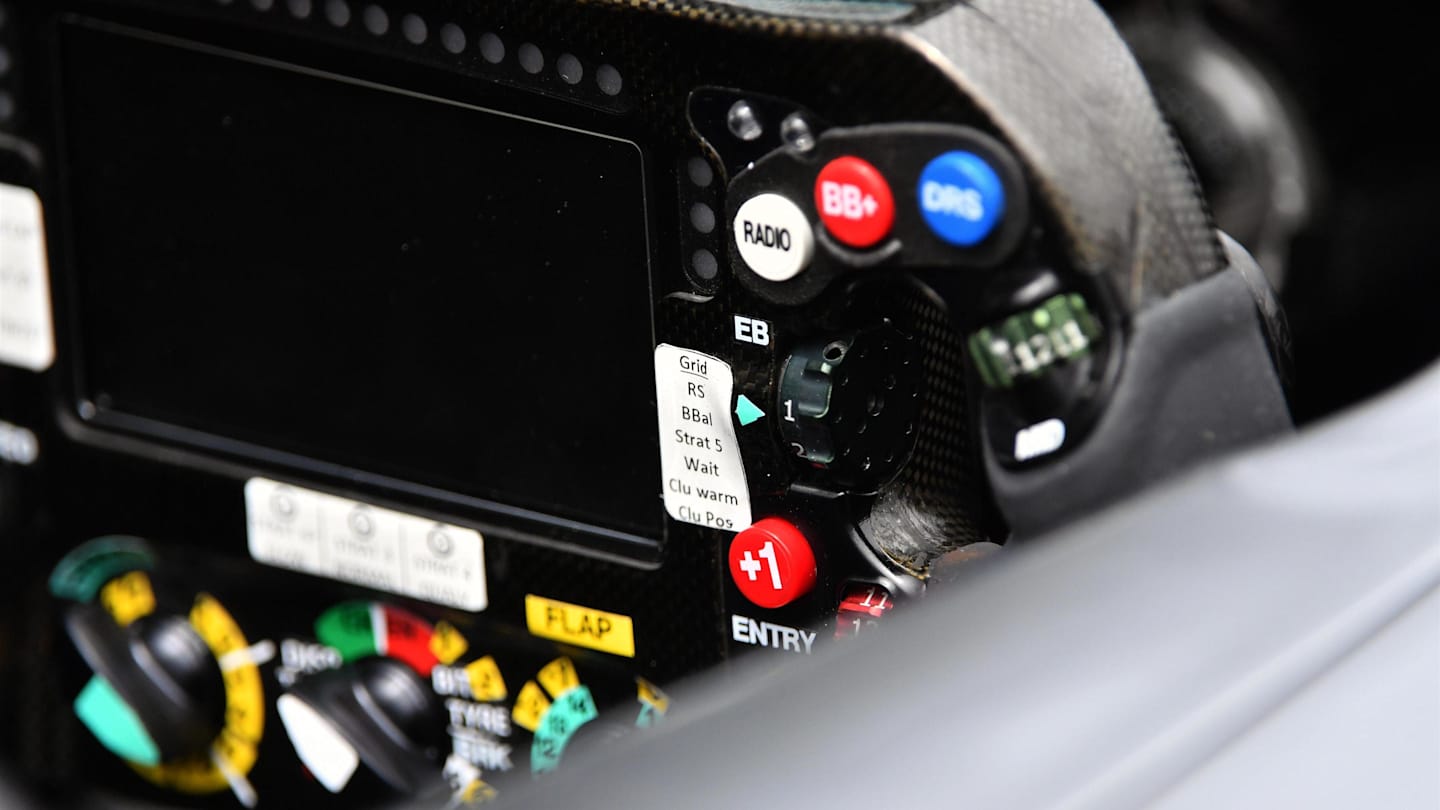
774,237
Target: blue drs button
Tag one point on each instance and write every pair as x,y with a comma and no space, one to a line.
961,198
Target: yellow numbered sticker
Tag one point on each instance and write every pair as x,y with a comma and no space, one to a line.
245,710
239,754
446,643
191,774
477,792
244,703
558,677
486,684
651,695
128,597
530,707
213,623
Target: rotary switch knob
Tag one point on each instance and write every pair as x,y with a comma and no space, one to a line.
377,711
178,696
157,694
850,405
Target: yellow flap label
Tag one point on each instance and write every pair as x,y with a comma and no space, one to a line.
486,684
581,626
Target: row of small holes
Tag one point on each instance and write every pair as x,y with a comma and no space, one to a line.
452,38
702,219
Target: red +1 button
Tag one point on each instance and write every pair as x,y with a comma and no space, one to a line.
854,202
771,563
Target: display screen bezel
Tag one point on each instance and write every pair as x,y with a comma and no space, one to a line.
215,452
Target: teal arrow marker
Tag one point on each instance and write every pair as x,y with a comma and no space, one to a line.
114,723
747,410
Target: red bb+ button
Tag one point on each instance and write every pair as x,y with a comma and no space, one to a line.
854,202
771,563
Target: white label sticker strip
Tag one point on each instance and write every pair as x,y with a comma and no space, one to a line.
27,338
354,542
699,457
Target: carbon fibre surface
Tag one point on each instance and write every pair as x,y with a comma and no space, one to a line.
1055,79
1050,78
1120,198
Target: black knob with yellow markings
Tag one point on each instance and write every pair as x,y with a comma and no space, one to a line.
178,696
157,693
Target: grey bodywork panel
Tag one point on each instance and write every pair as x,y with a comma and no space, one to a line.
1227,640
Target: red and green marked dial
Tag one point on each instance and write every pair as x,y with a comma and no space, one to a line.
360,629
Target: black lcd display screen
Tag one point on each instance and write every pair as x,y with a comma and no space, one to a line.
379,280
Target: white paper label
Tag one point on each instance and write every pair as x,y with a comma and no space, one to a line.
27,338
704,476
355,542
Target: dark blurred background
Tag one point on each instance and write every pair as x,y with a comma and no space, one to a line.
1308,125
